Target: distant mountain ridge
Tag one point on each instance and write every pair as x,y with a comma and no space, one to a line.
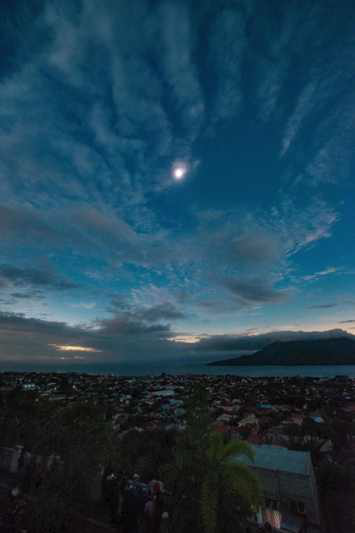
332,351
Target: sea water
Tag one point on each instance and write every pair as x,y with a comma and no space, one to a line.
155,368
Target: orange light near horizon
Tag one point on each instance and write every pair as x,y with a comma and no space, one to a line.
188,339
73,348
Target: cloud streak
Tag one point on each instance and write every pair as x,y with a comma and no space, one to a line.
321,273
322,306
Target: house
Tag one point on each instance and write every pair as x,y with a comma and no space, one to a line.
249,420
289,487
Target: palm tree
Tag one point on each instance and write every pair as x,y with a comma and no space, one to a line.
230,491
211,490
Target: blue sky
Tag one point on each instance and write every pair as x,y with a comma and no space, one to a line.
102,248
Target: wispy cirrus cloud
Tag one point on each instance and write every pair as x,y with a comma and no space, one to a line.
123,103
323,306
301,228
303,108
313,109
227,45
321,273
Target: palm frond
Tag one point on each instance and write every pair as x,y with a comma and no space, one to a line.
237,448
243,482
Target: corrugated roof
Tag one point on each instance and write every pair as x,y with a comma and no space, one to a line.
271,457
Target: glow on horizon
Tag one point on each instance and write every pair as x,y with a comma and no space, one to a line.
314,327
195,338
73,348
187,339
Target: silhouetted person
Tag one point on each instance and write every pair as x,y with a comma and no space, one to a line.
39,473
111,494
130,515
153,511
21,460
29,476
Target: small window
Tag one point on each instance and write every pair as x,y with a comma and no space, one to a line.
272,504
301,507
297,506
293,506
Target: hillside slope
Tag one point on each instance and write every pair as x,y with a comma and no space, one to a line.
336,351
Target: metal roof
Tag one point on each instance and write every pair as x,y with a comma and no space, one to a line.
270,457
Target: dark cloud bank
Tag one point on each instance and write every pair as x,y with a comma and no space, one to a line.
125,337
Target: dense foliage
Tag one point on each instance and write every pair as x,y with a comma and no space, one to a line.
207,491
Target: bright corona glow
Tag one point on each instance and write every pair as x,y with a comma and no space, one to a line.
179,172
73,348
